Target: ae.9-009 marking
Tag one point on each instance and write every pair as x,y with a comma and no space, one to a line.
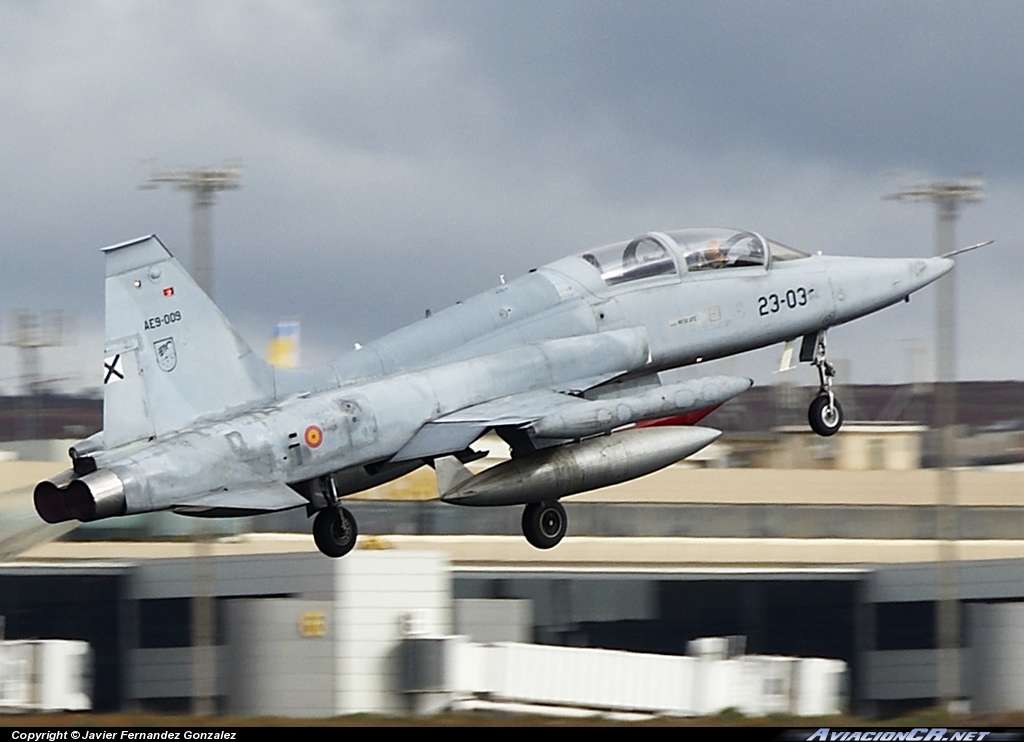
155,322
792,299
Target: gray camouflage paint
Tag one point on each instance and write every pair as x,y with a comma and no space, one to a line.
194,420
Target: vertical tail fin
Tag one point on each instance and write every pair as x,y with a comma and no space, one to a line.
170,355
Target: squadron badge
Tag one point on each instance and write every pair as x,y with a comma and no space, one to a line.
166,355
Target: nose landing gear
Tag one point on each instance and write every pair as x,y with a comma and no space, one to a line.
825,415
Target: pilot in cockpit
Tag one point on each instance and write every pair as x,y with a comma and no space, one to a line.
715,256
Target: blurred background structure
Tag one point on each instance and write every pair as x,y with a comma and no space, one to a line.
948,196
204,183
807,547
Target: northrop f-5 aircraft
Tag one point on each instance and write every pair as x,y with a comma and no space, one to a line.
562,363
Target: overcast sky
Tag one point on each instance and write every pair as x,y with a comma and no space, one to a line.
402,155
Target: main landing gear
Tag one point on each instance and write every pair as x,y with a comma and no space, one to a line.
544,523
825,414
334,528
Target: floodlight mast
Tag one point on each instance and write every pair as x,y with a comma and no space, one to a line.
203,182
947,195
29,333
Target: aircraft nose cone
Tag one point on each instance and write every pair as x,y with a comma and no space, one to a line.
930,269
864,285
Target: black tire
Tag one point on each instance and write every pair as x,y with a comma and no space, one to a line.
825,419
544,524
334,531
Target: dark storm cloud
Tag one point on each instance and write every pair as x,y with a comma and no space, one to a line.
402,155
932,86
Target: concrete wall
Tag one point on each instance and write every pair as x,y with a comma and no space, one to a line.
859,448
279,658
321,643
497,620
996,668
904,674
379,596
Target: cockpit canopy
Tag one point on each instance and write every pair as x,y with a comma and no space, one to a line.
691,250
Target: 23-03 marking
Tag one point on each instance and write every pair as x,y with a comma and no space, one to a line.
792,299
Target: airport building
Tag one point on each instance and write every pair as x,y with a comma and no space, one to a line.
298,634
807,548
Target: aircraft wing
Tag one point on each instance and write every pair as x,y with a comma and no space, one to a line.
556,416
458,430
517,409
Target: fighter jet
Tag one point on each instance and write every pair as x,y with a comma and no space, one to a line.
564,363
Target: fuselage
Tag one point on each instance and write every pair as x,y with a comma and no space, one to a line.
631,309
688,315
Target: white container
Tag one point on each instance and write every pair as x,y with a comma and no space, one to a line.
819,687
592,678
715,686
766,685
46,675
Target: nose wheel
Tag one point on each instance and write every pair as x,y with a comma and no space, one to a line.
825,414
544,524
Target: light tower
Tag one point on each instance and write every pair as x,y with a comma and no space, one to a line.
947,195
28,333
204,182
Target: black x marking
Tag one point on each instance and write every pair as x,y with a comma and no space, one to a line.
112,369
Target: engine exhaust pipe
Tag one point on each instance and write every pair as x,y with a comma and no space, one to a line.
92,497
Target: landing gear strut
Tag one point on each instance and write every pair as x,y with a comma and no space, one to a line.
544,523
825,414
334,528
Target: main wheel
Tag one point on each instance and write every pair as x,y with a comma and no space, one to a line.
334,531
825,418
544,524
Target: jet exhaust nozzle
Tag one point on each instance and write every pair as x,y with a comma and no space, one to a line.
580,467
97,495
